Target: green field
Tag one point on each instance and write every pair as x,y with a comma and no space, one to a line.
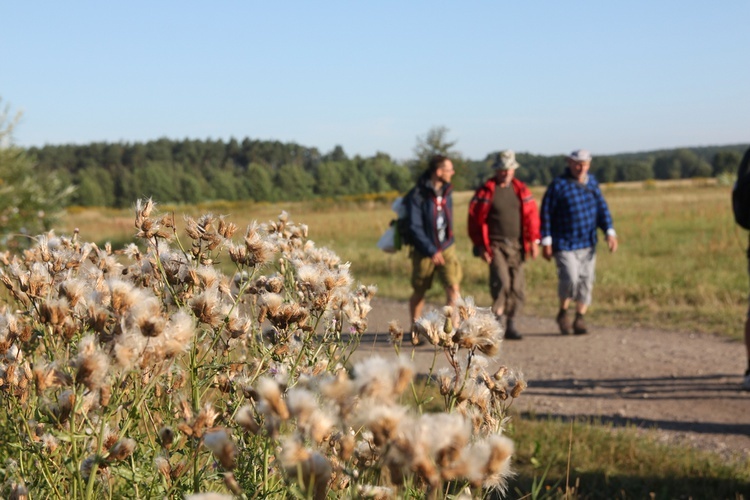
681,262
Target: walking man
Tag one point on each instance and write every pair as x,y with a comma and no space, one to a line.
504,228
572,208
741,209
430,210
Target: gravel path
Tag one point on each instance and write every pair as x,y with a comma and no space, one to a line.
686,386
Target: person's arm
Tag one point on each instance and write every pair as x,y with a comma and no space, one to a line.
532,235
604,220
477,224
548,204
422,242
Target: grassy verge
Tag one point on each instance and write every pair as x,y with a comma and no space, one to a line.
582,458
616,463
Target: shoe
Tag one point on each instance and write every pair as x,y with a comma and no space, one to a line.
563,322
746,381
510,331
579,325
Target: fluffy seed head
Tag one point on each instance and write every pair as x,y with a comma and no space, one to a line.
222,446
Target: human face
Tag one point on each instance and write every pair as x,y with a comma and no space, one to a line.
504,176
579,169
445,171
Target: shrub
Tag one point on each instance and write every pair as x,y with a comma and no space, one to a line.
149,373
30,200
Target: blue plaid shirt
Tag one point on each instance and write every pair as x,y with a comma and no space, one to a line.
571,212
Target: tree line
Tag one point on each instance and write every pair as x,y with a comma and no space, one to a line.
192,171
682,163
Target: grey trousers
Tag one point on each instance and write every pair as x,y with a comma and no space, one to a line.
575,274
507,281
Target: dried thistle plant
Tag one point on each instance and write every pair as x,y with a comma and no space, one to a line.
149,372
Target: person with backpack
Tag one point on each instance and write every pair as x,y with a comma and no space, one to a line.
741,209
572,208
429,207
504,228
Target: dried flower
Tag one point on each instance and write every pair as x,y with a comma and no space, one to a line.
222,446
121,450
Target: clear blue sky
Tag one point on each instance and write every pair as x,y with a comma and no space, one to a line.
544,77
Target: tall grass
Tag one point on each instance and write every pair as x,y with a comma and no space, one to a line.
681,262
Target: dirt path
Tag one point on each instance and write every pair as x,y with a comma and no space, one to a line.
685,385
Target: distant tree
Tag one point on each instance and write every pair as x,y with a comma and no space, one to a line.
224,185
233,153
96,187
635,171
159,150
398,178
725,162
191,190
31,199
112,155
667,167
435,142
680,164
328,179
88,193
384,175
294,183
186,152
354,180
127,187
134,155
156,180
604,169
337,154
373,172
259,182
691,165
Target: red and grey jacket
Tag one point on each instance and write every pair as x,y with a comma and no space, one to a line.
479,211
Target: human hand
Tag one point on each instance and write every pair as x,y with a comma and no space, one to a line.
487,257
438,258
534,249
612,243
547,252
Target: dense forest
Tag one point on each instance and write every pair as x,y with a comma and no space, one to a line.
190,171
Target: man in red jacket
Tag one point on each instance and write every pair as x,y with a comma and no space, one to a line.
504,228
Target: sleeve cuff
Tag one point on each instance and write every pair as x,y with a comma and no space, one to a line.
611,232
546,241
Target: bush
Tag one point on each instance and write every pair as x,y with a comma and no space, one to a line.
29,200
148,373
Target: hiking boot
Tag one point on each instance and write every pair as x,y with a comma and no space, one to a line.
579,325
746,381
510,331
563,322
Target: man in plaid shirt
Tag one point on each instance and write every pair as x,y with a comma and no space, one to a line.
572,208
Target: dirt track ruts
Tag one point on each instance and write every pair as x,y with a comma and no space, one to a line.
684,385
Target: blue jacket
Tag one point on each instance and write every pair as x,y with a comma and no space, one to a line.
571,212
423,212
